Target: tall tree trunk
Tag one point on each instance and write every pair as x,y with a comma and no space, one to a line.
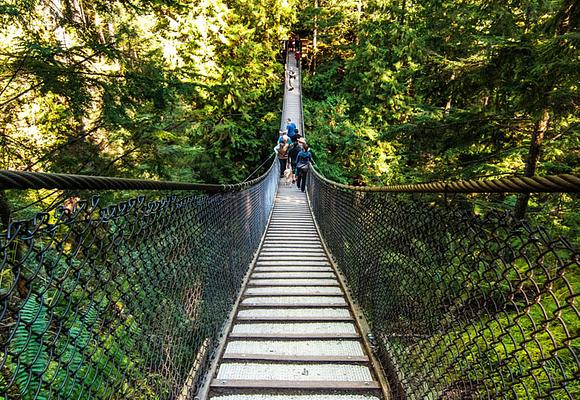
567,15
315,38
450,98
4,211
358,15
540,128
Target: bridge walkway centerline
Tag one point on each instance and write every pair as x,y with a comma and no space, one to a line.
294,334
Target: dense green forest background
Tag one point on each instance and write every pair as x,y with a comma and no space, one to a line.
395,90
402,91
443,89
187,91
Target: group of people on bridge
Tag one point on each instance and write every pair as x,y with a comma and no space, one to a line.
294,155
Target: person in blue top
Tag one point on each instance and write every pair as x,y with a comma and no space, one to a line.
303,165
291,128
284,138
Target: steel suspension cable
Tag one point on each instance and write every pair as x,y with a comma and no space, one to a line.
569,183
41,180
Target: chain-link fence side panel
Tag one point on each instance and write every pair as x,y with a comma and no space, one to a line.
462,305
117,302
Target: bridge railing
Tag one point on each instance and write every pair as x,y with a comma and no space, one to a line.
125,300
463,303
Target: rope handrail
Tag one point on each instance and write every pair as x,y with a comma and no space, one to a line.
41,180
258,168
563,183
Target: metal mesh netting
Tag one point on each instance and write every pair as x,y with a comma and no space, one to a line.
461,305
124,301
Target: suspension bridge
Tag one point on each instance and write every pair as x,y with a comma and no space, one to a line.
257,291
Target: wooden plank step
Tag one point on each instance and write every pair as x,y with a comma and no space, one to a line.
292,223
291,329
294,358
342,348
302,261
293,253
311,304
300,314
292,275
294,247
297,234
292,234
287,214
294,302
292,244
292,263
297,268
293,291
294,230
292,214
294,373
292,257
295,385
291,395
305,318
297,282
306,248
295,241
293,336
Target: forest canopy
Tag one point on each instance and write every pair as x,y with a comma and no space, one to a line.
443,89
402,91
395,90
162,89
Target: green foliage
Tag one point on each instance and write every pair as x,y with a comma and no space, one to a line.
152,89
404,92
407,91
455,88
30,346
186,91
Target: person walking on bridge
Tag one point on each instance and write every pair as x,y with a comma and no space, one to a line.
282,151
303,165
293,156
291,43
283,138
291,129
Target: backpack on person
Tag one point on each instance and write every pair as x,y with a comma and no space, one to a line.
283,150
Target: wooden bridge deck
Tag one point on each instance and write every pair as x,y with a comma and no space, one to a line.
292,94
294,335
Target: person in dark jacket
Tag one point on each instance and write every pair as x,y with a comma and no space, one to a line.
303,165
293,155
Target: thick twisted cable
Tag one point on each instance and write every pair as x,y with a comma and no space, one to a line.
40,180
564,183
